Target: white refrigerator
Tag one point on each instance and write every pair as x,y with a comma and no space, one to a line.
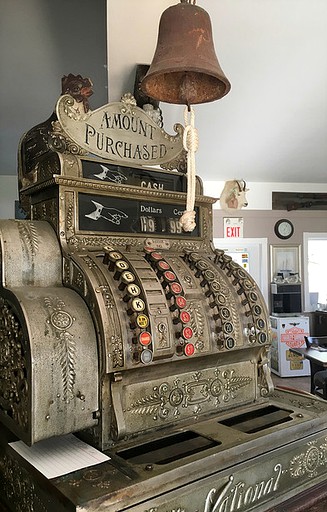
288,332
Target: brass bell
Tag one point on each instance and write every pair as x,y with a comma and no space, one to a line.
185,68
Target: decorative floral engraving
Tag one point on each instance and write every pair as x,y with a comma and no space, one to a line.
93,477
129,103
197,319
167,398
301,402
97,241
59,141
309,462
29,237
107,296
60,322
117,351
70,212
162,335
14,387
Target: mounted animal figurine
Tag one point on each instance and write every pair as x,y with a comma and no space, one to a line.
233,196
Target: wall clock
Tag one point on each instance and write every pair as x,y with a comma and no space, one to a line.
284,229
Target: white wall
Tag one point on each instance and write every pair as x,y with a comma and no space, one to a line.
132,29
8,195
40,42
259,195
272,126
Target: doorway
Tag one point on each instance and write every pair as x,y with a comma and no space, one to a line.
315,271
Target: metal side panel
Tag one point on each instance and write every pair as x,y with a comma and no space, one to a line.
50,361
31,254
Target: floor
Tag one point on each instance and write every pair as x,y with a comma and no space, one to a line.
301,383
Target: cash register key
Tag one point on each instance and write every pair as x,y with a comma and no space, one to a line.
253,296
226,261
142,321
125,279
179,303
220,299
247,284
139,321
189,349
162,266
146,356
262,337
193,258
224,313
228,328
261,323
174,289
215,286
187,333
201,266
241,273
183,317
148,250
186,255
219,254
155,256
145,338
169,276
234,265
229,343
207,277
111,258
257,310
119,267
132,290
137,306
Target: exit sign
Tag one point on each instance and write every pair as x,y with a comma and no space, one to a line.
233,227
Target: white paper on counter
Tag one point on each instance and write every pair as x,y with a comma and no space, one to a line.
59,455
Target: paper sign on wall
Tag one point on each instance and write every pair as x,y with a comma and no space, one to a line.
233,227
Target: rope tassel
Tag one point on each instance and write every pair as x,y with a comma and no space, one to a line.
190,143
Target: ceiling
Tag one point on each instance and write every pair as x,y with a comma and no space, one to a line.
272,126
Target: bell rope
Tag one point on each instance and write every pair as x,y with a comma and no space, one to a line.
190,143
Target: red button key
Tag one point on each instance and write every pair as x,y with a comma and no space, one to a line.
185,317
189,349
187,333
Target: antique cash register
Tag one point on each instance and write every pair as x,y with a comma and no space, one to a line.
143,340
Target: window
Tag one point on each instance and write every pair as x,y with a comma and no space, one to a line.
315,270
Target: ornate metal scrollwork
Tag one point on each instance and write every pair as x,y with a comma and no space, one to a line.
19,488
14,384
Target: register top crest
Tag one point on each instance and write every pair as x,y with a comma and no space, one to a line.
119,132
